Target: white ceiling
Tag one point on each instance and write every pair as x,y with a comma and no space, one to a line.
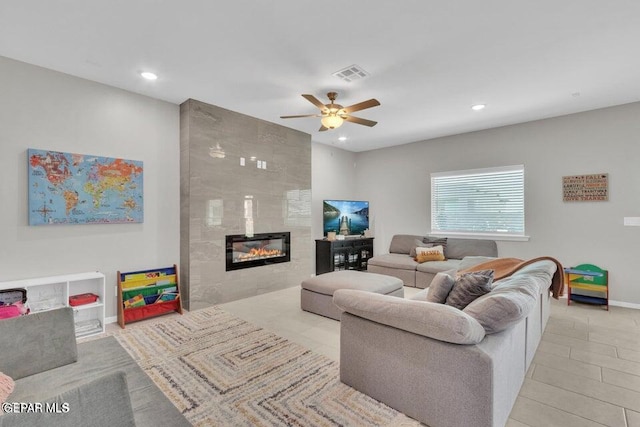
429,60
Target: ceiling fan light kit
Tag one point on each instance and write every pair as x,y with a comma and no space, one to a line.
332,121
334,115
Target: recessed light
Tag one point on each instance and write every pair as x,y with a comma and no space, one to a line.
478,107
148,75
342,138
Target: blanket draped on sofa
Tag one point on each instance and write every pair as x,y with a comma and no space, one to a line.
505,267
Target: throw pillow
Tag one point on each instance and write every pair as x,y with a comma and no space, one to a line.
500,309
435,253
418,244
430,249
6,387
435,241
440,287
468,287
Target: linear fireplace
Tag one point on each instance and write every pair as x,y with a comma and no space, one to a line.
259,249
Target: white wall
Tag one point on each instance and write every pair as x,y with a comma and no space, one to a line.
397,182
332,177
43,109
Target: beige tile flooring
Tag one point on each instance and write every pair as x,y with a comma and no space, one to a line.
586,371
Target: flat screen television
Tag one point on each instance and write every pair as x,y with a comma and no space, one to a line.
346,217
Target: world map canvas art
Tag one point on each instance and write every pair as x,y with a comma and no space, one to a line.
68,188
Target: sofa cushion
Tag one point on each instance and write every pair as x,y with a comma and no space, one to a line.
468,287
46,340
421,295
460,248
542,271
515,283
437,321
103,402
399,261
470,261
505,305
440,287
328,283
435,267
402,243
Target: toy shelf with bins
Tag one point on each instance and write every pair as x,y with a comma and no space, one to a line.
590,278
52,292
147,293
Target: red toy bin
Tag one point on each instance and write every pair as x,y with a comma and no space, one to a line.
82,299
138,313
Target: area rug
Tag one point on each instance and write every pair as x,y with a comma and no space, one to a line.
220,370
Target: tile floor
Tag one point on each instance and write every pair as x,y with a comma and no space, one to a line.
586,371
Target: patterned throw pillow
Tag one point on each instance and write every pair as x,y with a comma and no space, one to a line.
435,253
468,287
6,387
440,287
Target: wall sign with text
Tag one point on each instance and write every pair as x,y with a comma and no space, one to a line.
585,188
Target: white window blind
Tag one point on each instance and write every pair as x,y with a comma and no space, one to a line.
479,201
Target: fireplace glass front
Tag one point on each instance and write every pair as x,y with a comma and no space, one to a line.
259,249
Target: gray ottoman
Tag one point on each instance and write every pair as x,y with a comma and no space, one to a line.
316,295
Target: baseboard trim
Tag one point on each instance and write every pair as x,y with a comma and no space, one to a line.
616,303
624,304
112,319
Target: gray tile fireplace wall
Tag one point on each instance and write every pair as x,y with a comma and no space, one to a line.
239,175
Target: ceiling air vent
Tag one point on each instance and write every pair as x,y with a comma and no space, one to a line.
351,73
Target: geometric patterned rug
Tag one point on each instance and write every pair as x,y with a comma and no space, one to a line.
220,370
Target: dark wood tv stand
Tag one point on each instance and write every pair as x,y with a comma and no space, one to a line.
347,254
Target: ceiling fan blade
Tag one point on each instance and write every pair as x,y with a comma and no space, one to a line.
323,128
360,121
303,115
361,106
315,101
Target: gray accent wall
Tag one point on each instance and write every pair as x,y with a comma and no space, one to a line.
41,108
219,196
397,182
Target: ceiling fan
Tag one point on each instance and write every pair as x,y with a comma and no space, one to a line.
333,115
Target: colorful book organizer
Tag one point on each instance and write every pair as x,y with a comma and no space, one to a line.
591,283
147,293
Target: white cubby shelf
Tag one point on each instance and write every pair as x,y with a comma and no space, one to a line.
49,293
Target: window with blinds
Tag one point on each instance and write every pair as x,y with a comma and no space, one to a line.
479,201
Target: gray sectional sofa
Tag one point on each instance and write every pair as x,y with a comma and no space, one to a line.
400,264
102,385
440,365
